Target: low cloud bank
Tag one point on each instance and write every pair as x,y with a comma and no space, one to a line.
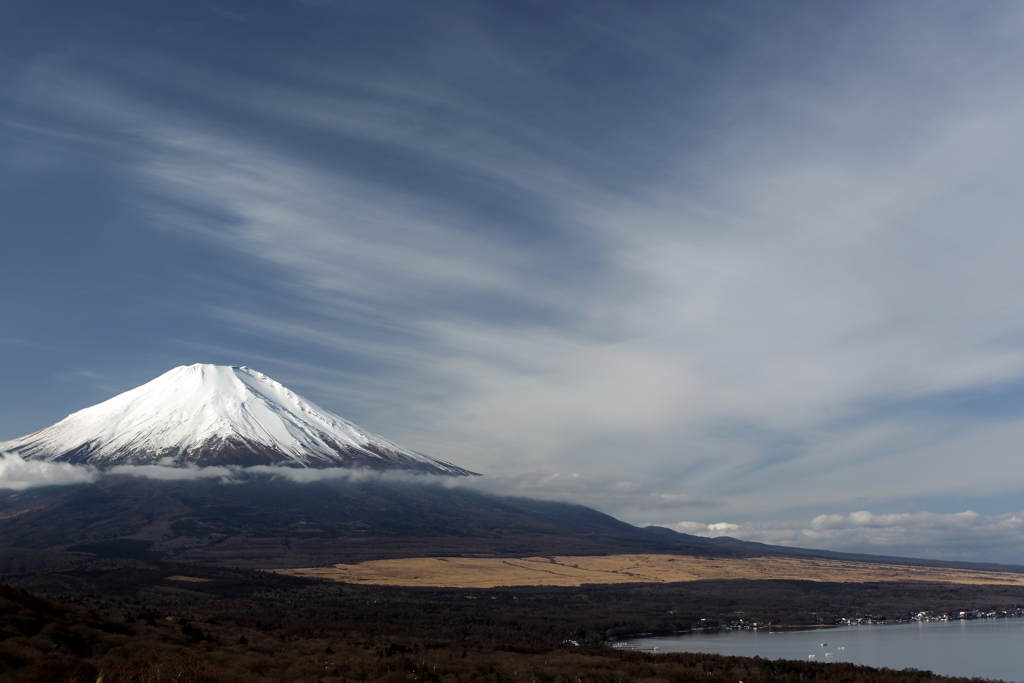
303,475
966,535
625,499
168,473
18,474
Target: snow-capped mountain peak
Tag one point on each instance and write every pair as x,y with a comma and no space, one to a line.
216,414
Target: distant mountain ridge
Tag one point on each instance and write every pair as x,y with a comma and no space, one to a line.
217,415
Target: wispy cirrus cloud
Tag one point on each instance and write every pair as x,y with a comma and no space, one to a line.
623,498
634,346
747,271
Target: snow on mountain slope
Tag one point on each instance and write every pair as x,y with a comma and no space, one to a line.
216,415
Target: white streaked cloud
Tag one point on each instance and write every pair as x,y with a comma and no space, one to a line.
751,284
797,292
622,498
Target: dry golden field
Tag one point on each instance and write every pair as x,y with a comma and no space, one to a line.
490,572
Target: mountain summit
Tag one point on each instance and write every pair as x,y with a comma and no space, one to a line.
216,415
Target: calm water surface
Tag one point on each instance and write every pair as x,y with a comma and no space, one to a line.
985,648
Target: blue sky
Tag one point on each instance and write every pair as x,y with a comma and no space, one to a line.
747,265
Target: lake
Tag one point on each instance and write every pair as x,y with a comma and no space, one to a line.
985,648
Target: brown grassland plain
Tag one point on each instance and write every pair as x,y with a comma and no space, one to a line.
491,572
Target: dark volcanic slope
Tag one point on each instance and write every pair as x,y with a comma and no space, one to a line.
272,522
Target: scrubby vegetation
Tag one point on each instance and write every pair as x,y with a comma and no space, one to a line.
45,641
136,621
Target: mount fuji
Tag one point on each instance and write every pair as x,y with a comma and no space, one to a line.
217,415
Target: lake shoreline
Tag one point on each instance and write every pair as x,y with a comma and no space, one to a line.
980,648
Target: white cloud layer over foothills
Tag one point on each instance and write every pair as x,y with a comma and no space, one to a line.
737,268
